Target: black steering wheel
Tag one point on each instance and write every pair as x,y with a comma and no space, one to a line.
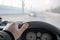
40,31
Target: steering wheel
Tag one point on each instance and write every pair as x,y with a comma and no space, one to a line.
40,31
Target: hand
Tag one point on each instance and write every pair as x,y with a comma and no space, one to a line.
13,28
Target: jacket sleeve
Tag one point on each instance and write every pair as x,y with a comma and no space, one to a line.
6,35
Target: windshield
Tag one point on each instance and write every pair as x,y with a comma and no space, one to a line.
14,8
30,10
20,6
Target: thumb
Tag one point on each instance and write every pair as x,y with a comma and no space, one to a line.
24,27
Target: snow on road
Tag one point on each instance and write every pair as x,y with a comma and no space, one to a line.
52,18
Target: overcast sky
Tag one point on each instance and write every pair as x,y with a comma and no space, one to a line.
32,4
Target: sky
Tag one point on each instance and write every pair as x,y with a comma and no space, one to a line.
42,4
32,4
14,3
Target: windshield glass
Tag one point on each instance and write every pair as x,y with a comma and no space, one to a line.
8,8
18,6
30,10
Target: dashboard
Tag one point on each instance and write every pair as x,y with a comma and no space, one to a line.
40,31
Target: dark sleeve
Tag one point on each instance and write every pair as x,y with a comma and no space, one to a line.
6,35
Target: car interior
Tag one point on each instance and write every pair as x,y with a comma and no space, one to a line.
43,17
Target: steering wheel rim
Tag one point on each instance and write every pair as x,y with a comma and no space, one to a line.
44,25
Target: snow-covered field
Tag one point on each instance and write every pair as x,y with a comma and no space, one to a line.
52,18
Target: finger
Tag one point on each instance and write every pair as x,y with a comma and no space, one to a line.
15,25
24,27
7,26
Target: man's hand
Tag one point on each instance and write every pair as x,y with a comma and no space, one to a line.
13,28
